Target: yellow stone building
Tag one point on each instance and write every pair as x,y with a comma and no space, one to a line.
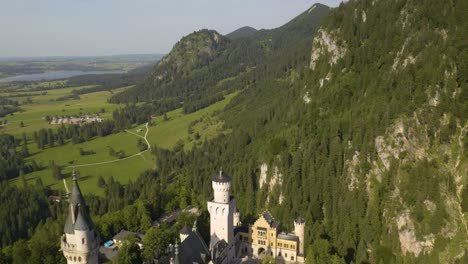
266,238
231,242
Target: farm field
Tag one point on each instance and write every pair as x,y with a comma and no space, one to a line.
165,134
33,114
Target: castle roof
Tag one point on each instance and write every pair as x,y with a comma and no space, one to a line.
221,177
290,237
69,228
75,196
83,222
124,233
176,257
192,250
269,218
241,229
185,230
300,220
78,218
217,251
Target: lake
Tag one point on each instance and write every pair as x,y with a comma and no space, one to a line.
53,75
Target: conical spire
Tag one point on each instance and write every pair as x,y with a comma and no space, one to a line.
76,196
78,218
74,175
176,253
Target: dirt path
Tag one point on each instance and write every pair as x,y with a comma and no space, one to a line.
117,160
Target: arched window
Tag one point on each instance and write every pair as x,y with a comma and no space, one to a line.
79,259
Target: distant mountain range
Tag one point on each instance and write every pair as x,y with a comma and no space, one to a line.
118,57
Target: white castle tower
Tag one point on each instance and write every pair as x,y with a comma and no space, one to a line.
237,221
221,210
299,224
80,243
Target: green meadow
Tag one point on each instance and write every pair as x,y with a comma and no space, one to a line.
166,134
163,133
33,115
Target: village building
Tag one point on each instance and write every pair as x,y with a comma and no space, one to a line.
120,237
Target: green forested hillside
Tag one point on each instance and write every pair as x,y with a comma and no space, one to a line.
205,65
366,138
359,126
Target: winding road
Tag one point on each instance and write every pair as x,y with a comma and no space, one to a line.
117,160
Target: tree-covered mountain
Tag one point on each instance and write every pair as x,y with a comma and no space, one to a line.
358,125
205,65
242,32
365,138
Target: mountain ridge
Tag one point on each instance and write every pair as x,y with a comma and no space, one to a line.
243,32
236,58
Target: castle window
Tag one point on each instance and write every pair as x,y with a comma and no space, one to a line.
82,240
285,255
292,257
79,259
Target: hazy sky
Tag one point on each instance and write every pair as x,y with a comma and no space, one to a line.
106,27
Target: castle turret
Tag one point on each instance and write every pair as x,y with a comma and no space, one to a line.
222,187
80,241
299,224
221,210
237,218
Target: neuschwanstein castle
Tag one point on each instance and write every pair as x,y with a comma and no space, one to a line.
230,241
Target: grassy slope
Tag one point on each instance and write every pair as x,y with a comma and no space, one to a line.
163,133
166,133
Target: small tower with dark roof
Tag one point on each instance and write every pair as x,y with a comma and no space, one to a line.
80,241
299,224
221,186
221,210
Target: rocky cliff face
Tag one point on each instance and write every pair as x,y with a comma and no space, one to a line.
190,53
416,171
